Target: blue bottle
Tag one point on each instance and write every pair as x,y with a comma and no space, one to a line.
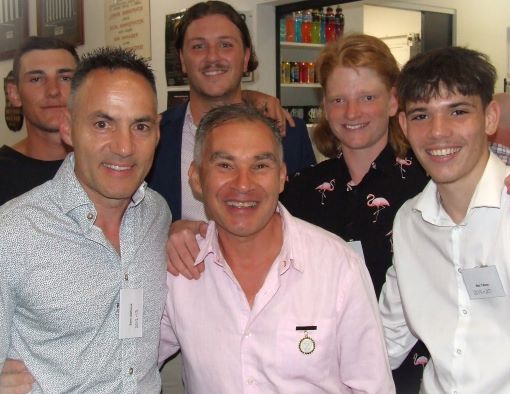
298,21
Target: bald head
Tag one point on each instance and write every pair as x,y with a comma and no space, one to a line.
502,135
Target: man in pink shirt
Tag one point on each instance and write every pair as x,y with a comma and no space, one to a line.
282,306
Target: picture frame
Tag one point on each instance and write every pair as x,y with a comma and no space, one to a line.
13,26
61,19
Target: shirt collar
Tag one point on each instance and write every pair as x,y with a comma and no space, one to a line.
488,193
210,245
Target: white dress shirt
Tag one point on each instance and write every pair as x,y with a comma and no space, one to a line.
425,296
317,280
192,208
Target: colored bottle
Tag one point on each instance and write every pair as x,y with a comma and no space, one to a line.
316,27
330,25
298,22
283,34
289,28
306,27
339,23
322,19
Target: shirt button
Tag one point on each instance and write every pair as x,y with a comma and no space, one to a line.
465,312
126,276
130,371
90,216
459,351
250,381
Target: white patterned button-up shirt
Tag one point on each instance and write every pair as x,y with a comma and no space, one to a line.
60,281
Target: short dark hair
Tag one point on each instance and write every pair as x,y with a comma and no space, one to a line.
33,43
456,69
202,9
229,113
111,58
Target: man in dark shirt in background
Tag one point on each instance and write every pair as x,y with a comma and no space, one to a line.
43,68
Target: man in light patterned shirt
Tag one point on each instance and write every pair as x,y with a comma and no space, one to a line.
82,256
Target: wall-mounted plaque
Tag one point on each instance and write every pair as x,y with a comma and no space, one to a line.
62,19
13,26
128,25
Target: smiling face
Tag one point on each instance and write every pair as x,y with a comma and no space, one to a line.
214,58
114,131
449,136
358,106
240,177
43,87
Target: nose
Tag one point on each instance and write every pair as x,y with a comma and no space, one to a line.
52,87
243,181
438,127
122,143
212,53
352,109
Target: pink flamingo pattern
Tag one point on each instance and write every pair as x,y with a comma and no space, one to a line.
403,163
379,203
349,185
421,360
325,187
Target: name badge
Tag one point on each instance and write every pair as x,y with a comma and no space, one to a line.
483,282
130,313
358,248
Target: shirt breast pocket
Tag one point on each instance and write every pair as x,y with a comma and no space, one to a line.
306,351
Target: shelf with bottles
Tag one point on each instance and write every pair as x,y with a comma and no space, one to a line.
300,85
314,27
289,44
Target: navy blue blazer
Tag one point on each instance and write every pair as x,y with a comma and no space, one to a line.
165,175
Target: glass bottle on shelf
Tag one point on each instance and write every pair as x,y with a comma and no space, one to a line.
330,25
289,27
316,27
298,21
306,27
283,34
322,19
339,22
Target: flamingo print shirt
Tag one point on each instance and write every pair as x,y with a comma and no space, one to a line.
324,195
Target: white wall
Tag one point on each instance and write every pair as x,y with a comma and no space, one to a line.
479,25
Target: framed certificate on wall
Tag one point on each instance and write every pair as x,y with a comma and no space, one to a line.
61,19
13,26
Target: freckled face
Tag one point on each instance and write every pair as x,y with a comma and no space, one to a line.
358,106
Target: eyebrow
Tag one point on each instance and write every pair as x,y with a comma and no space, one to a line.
59,71
226,156
450,106
105,116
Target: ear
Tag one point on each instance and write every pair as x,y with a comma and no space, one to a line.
324,110
283,175
403,122
65,127
183,66
492,114
194,179
158,121
247,54
393,104
13,95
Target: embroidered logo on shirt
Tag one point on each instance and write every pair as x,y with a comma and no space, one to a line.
325,187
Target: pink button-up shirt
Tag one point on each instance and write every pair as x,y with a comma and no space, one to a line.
317,281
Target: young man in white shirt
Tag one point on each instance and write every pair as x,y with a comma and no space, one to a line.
450,279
